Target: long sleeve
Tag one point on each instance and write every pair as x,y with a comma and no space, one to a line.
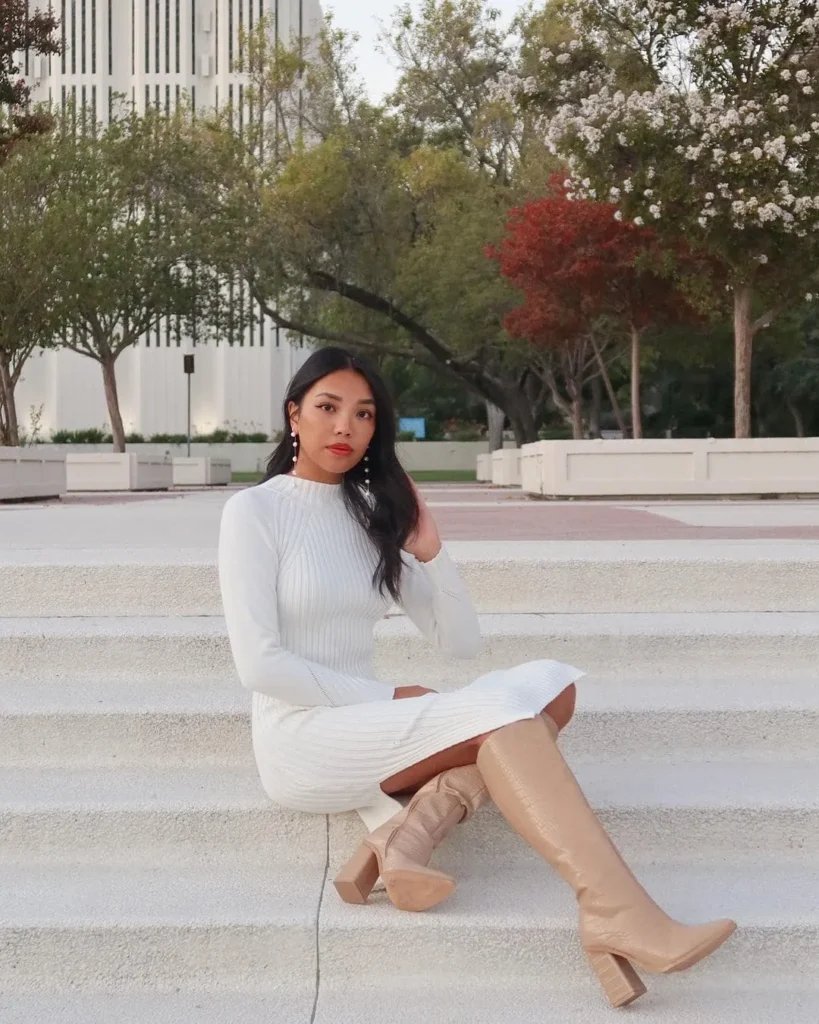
248,568
434,597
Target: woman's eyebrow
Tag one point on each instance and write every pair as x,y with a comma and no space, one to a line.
338,398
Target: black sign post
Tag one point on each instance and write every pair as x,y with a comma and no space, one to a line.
189,374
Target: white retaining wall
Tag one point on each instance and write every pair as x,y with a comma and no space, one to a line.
249,457
92,471
201,472
240,387
701,467
26,474
506,467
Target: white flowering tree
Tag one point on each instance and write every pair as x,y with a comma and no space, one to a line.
719,144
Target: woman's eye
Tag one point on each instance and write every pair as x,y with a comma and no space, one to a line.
366,413
327,407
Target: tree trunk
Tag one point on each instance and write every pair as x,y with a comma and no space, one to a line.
495,419
604,373
596,409
636,403
522,417
112,401
798,421
743,354
11,427
577,417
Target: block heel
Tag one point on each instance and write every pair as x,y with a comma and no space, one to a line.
618,979
356,880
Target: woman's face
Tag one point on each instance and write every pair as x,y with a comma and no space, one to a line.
334,426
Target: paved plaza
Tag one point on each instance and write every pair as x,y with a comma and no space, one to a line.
463,512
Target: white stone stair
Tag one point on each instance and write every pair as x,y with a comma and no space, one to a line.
150,719
684,999
644,645
504,576
144,875
669,810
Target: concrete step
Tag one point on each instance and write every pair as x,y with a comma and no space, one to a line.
98,925
520,921
200,1005
257,927
387,999
504,576
668,810
676,999
739,645
184,721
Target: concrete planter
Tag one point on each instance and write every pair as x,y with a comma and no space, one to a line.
506,467
247,457
201,472
672,468
118,472
24,475
484,475
531,459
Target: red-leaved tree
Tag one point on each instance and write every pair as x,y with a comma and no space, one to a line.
576,262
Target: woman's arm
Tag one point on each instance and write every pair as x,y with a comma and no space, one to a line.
248,569
433,594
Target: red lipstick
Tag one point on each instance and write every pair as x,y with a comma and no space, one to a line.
340,449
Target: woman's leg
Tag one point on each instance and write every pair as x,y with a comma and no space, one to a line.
446,789
560,710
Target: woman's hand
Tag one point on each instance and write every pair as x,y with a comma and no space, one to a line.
402,692
425,543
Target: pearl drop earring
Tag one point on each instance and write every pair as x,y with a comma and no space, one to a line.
367,471
295,450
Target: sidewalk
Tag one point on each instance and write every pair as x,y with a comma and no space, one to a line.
190,519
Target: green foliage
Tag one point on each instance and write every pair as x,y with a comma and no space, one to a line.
168,439
91,435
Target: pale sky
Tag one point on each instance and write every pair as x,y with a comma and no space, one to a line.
362,17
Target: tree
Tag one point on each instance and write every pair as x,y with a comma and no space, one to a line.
21,31
336,237
29,246
127,259
721,148
578,263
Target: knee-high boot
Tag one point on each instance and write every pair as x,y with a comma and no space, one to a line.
620,924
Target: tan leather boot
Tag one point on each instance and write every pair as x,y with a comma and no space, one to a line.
620,924
400,850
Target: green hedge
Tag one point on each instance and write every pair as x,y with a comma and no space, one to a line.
94,436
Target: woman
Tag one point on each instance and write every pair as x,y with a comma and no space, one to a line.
309,561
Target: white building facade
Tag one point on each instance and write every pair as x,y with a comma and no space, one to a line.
152,51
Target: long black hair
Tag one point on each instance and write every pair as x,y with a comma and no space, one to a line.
390,516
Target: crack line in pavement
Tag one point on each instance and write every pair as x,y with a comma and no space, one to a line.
318,919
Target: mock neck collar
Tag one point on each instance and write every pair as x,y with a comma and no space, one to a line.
312,491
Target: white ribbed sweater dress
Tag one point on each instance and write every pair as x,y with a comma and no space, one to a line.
296,571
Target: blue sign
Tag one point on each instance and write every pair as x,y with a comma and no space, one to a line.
415,425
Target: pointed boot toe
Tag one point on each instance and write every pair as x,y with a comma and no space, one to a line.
704,939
